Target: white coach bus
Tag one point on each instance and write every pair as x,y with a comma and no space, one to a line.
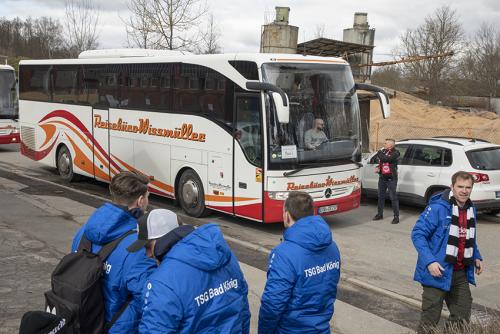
9,130
221,132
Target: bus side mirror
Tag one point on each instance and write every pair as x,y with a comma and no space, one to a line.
381,95
282,108
279,97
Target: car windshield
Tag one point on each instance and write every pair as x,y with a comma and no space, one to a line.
324,115
485,159
8,95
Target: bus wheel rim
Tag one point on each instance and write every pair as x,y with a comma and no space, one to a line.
64,162
190,193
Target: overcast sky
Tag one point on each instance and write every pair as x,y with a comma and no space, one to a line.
240,21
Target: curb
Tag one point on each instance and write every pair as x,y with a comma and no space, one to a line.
407,300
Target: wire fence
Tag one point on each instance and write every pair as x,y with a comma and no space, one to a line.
379,131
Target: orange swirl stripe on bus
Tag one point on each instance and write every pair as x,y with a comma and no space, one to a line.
156,183
98,155
37,155
217,198
170,189
84,163
76,122
49,130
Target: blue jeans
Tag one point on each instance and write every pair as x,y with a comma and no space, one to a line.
383,186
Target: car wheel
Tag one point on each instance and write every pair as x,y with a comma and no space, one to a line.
64,165
191,194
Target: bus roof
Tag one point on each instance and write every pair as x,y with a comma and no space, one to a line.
6,67
127,53
115,56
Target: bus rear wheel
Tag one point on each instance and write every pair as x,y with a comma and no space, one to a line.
64,164
191,194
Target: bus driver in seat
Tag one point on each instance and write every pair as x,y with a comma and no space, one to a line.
315,136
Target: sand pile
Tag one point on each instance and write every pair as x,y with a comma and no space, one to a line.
418,112
412,117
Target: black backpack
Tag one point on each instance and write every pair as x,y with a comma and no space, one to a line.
76,293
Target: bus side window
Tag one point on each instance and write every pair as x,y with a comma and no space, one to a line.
66,84
108,86
203,91
35,83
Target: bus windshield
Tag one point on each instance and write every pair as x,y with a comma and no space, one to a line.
8,95
324,124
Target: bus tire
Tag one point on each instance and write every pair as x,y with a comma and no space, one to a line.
191,194
64,163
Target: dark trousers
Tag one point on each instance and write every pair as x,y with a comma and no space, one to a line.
383,186
458,300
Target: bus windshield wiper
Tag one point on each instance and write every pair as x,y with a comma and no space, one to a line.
340,161
295,171
304,166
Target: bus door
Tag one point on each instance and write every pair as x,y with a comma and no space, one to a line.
100,119
248,156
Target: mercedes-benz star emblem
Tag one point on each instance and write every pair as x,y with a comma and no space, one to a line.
328,193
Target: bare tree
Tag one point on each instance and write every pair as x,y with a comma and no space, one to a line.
390,77
209,43
320,31
441,33
82,17
140,30
50,36
32,38
175,22
483,57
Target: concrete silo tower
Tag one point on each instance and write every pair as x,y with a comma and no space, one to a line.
279,36
361,33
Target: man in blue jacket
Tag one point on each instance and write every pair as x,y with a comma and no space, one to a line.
445,239
198,286
303,273
125,274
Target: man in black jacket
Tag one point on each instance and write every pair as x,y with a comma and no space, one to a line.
388,179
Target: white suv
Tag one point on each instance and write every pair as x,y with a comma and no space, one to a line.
426,165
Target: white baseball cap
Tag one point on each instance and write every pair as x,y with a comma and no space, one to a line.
153,225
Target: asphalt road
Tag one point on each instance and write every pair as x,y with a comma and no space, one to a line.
377,253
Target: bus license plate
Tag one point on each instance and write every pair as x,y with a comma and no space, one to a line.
328,208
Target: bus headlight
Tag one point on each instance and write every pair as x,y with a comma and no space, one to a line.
15,130
357,186
278,195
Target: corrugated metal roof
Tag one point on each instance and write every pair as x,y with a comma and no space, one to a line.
331,48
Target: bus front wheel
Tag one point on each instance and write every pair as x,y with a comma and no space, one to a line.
64,164
191,194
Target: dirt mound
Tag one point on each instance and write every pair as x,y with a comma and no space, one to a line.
413,111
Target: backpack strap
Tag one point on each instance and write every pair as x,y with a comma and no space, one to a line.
110,246
117,315
84,244
103,254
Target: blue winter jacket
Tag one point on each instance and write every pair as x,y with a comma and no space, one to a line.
302,280
198,288
430,237
125,273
